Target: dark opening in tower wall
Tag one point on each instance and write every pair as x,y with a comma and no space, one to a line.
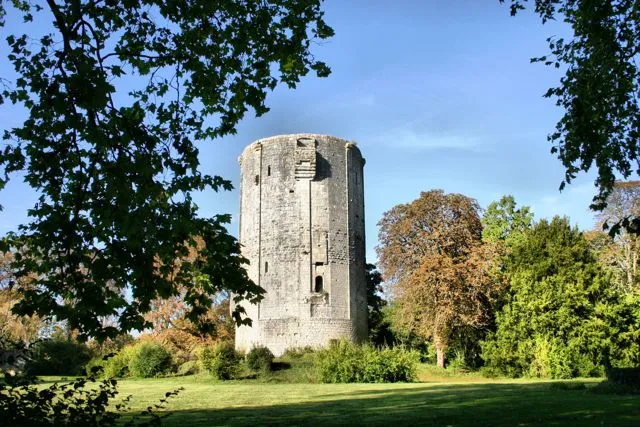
319,284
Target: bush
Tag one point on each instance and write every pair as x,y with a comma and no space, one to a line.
189,367
117,366
220,360
84,401
149,360
260,359
344,362
298,352
58,357
95,362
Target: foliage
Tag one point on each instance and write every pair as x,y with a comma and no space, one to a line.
180,343
441,272
502,222
220,360
58,357
149,360
189,367
169,321
556,321
623,320
117,95
345,362
259,359
379,329
12,327
82,402
598,92
620,250
117,366
109,345
298,352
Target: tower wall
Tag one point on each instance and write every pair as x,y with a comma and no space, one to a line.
302,230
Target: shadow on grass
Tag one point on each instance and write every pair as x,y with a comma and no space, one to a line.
473,404
280,366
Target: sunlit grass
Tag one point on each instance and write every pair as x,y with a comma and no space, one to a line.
447,400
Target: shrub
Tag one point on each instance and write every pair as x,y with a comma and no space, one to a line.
344,362
298,352
117,366
189,367
260,359
149,360
220,360
95,362
58,357
84,401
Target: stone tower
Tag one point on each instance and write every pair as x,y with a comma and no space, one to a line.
302,230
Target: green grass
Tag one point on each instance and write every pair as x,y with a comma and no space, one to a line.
447,400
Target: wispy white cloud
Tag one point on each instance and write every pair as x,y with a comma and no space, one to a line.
412,139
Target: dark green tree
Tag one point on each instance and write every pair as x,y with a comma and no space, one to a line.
557,318
117,94
379,327
599,91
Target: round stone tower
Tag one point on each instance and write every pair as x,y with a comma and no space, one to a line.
302,230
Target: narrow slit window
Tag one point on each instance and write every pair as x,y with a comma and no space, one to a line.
266,266
318,285
256,180
268,170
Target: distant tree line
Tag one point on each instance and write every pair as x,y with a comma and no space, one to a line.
496,289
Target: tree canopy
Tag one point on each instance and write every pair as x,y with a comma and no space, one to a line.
562,318
599,92
619,251
117,94
503,222
432,256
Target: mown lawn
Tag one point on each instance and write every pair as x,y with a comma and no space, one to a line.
446,400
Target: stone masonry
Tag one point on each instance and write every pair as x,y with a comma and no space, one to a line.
302,230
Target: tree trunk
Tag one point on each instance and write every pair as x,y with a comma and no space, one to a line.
440,356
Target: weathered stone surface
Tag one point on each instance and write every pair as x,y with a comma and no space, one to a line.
302,229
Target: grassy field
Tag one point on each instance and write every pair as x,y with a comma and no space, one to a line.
445,399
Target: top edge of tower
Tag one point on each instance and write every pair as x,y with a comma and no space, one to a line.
279,139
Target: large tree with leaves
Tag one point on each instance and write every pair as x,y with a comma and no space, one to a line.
503,223
599,92
117,94
441,273
561,318
619,251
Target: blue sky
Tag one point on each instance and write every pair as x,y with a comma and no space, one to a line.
437,94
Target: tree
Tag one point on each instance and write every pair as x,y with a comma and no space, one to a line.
599,91
557,319
433,258
619,251
379,332
15,329
502,222
117,95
